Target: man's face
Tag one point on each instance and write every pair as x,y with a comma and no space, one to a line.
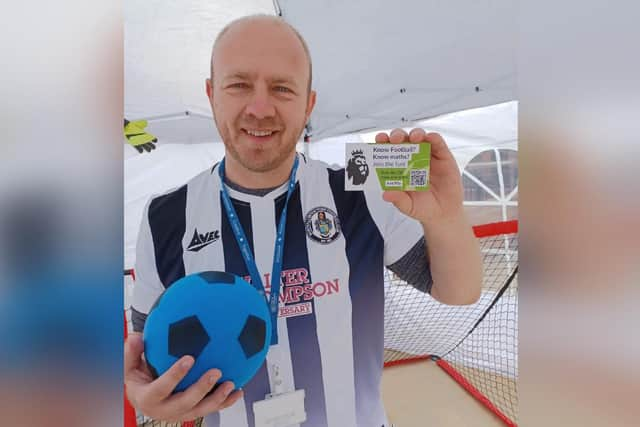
259,93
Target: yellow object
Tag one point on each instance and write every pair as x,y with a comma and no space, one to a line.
136,136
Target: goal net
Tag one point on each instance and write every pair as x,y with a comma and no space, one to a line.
475,344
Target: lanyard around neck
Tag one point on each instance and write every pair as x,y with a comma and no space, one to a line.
245,249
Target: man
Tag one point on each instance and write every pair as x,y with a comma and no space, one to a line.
261,97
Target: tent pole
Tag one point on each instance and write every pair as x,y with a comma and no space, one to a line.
276,7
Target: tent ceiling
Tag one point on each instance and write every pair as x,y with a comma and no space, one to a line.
381,63
377,63
167,52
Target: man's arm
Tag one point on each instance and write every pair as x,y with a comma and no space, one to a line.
453,255
456,264
415,267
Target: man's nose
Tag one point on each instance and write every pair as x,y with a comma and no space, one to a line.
260,105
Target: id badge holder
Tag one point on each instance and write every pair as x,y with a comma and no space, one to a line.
280,409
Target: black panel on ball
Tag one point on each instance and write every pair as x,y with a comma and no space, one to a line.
218,277
253,336
187,336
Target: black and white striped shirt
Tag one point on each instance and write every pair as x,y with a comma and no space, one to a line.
331,320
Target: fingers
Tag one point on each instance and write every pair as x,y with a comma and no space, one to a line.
167,382
144,367
400,199
398,136
439,149
187,400
417,135
232,399
188,404
220,399
133,349
382,138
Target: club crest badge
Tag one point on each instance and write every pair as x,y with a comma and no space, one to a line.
322,225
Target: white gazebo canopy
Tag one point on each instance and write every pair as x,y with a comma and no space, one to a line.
377,64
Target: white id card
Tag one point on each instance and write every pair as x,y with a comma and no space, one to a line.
282,410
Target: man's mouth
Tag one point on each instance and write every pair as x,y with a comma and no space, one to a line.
260,133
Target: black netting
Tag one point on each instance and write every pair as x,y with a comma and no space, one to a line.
479,340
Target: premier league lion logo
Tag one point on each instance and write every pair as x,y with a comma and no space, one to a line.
322,225
357,168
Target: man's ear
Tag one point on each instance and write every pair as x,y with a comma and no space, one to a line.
311,102
209,89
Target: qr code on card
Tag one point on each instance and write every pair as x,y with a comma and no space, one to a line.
418,178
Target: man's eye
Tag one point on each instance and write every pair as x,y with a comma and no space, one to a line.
282,89
239,85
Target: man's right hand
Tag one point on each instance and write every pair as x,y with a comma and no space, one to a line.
153,397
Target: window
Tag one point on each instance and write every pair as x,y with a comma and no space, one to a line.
490,183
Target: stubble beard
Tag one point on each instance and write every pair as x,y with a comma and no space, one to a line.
260,160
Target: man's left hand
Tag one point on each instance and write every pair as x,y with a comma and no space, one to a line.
443,200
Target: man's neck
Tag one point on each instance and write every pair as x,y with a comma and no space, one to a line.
237,174
251,191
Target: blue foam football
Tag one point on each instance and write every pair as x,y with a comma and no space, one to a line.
218,318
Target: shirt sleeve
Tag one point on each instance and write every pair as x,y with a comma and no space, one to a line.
138,320
400,232
414,269
147,286
404,242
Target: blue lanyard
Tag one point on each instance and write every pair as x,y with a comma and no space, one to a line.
245,249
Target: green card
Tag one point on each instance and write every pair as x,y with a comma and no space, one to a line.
403,167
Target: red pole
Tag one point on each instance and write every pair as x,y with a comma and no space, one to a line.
129,412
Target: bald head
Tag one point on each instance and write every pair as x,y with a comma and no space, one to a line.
263,23
261,98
